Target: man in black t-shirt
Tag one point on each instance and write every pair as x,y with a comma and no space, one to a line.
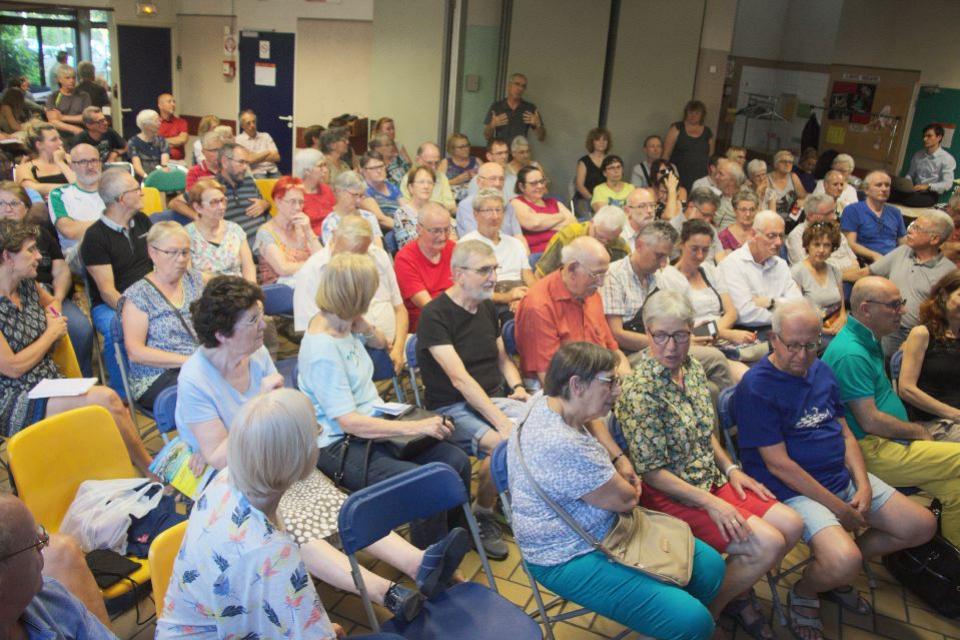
98,134
513,116
114,252
467,372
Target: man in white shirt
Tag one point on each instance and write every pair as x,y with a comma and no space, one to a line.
74,207
641,208
709,181
835,185
386,311
264,155
820,207
653,148
513,269
757,277
490,176
498,151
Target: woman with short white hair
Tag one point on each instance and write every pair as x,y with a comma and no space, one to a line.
148,149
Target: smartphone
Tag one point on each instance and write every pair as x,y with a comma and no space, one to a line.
708,330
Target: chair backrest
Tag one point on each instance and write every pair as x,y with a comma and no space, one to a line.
498,467
374,511
727,420
289,369
164,409
509,337
66,358
163,551
896,364
51,458
166,180
152,200
411,349
616,431
265,187
382,364
277,300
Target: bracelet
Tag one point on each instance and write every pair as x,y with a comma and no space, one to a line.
617,457
728,470
519,385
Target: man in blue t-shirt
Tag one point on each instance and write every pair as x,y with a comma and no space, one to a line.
872,227
795,440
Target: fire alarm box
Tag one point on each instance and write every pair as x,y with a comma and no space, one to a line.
229,68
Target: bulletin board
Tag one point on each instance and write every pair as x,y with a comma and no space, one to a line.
943,107
865,115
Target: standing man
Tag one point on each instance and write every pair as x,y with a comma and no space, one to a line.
172,127
263,155
98,133
468,375
513,116
872,227
931,171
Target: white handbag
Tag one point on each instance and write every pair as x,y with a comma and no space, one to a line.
101,512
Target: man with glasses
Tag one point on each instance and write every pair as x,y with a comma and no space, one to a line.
468,375
757,277
641,209
915,266
630,283
702,204
46,589
114,252
565,306
428,155
821,207
423,266
873,227
498,152
513,116
98,133
794,439
245,206
490,175
606,226
263,153
900,452
75,207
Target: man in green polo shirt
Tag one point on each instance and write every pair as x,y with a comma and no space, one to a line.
899,452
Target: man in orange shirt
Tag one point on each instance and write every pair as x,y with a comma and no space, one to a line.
565,307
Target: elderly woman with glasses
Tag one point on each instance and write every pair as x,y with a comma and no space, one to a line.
784,188
155,313
218,247
350,191
820,281
540,216
386,195
668,420
563,454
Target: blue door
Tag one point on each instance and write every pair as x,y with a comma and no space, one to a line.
145,71
266,86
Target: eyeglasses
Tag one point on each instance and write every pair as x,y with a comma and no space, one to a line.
596,275
43,540
92,162
893,305
612,381
482,271
10,204
642,205
375,167
436,231
461,146
795,347
216,202
294,202
916,228
661,338
173,253
489,210
128,191
542,182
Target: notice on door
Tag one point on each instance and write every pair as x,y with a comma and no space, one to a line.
265,74
264,49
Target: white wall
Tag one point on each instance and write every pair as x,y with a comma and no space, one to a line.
277,15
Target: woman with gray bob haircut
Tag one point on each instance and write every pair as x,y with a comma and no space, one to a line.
668,420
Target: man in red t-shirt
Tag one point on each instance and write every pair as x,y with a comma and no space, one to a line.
565,307
172,128
423,266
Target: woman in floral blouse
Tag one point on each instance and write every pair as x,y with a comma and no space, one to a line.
238,574
668,420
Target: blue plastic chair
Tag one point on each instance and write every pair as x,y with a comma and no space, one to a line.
466,611
164,410
501,477
383,370
509,334
277,300
896,364
289,369
411,349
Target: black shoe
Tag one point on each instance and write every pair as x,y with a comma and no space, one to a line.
440,560
402,602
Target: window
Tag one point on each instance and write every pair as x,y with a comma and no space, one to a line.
31,40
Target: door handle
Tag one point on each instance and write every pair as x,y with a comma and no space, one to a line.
285,118
126,110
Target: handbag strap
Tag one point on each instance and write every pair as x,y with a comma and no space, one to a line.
173,307
560,511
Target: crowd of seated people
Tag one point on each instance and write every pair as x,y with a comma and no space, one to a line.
686,280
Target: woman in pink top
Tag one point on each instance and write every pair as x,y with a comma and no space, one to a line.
540,217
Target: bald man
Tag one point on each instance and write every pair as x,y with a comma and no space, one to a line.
46,589
899,452
873,228
423,266
172,127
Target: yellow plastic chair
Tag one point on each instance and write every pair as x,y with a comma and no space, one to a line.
265,186
152,200
51,458
65,358
163,551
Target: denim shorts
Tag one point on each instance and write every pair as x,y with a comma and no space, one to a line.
471,426
816,516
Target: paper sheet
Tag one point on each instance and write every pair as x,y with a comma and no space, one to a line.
59,387
265,74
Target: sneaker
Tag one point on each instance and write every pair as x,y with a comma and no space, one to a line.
402,602
440,560
491,536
